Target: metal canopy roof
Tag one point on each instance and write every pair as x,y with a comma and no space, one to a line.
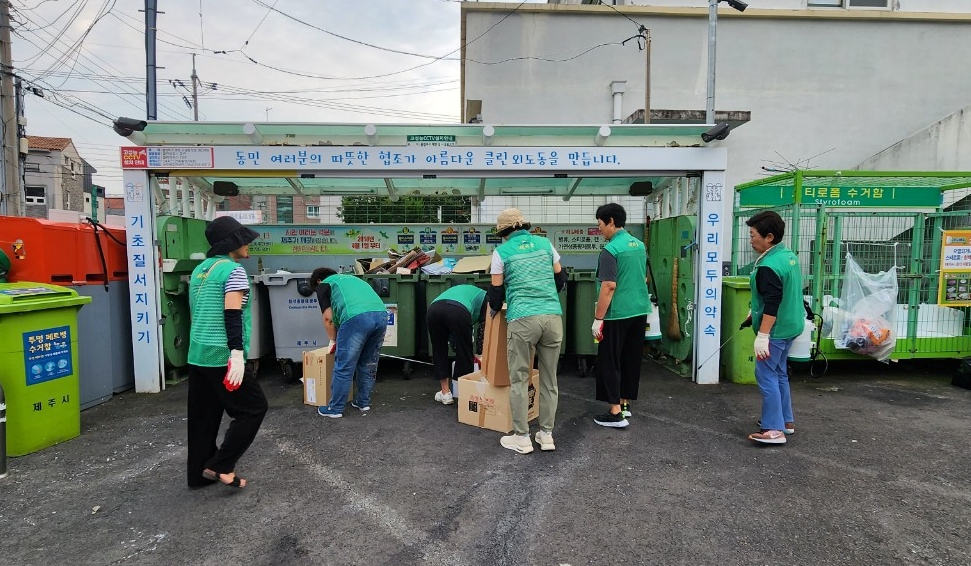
267,182
943,180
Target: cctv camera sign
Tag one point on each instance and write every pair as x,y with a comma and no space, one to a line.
134,158
166,158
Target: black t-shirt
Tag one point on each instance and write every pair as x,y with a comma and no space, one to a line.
323,296
769,286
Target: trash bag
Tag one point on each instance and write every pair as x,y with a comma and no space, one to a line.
867,325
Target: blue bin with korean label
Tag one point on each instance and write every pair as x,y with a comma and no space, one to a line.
39,364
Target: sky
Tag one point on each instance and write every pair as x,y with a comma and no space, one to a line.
359,61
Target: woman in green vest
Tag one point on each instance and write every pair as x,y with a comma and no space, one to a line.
452,317
218,341
778,317
620,315
356,321
527,269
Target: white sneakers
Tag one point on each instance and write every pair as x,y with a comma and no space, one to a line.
522,443
444,398
545,440
517,442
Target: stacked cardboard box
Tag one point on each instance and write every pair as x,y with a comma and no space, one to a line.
483,396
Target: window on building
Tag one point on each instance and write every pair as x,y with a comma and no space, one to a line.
313,212
67,201
35,195
32,167
849,3
284,210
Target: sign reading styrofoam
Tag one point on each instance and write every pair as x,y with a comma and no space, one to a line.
417,158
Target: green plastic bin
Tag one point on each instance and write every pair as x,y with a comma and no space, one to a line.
399,293
39,364
737,356
582,291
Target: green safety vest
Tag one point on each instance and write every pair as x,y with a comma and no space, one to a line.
351,296
631,297
528,276
469,296
791,318
208,344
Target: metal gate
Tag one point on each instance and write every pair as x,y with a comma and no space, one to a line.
878,241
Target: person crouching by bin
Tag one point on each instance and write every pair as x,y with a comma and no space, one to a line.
356,321
452,316
527,269
219,304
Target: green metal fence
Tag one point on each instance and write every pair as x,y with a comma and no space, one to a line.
878,239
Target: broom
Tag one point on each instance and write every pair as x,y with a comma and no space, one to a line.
674,320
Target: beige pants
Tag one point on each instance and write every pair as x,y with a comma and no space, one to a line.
542,333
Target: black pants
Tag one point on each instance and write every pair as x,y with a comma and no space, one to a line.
619,359
208,399
449,319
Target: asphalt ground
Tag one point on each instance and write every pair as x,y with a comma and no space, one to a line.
878,472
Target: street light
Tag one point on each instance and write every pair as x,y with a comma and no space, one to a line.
712,25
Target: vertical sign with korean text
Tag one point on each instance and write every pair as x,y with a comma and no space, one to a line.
955,284
708,289
143,281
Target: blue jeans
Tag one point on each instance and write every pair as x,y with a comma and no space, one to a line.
359,341
773,379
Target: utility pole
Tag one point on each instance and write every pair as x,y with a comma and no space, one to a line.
195,90
13,201
151,95
647,77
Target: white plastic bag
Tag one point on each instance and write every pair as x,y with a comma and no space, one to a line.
868,301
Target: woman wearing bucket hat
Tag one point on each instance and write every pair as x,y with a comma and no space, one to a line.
218,340
528,269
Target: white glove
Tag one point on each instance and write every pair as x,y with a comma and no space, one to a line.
762,346
332,347
597,329
234,373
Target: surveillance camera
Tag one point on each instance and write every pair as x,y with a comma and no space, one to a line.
125,126
737,4
719,132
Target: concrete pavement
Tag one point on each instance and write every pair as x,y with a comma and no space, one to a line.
878,472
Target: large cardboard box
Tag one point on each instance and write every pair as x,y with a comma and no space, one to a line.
473,264
495,359
484,405
317,369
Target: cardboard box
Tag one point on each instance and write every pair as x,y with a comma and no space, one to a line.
317,369
362,266
495,360
484,405
474,264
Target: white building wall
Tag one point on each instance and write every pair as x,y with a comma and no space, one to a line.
823,93
944,146
938,6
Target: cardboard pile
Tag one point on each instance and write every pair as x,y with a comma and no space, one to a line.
483,396
396,262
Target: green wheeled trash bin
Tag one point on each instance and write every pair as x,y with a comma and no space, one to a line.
398,291
39,364
582,290
737,356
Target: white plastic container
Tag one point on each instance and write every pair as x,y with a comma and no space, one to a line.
801,349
